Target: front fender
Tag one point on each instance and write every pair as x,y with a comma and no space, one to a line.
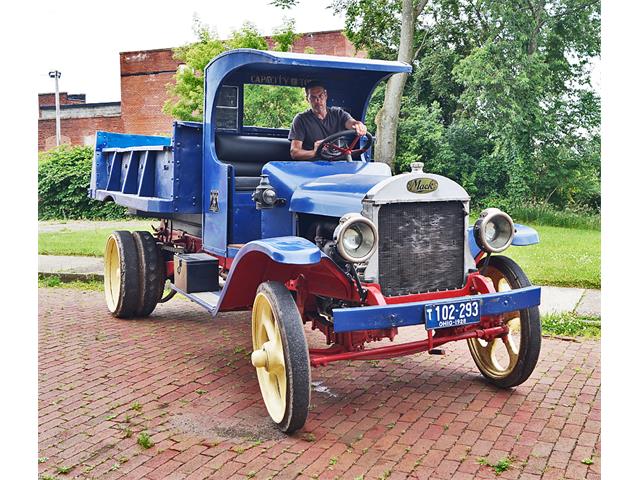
282,259
288,250
524,236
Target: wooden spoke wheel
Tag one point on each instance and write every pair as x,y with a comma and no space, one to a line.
509,360
121,274
281,356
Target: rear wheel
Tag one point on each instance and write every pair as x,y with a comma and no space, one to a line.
281,356
121,274
151,273
508,361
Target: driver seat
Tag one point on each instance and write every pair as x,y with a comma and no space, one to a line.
248,154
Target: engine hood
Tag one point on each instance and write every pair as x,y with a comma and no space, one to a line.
334,195
325,188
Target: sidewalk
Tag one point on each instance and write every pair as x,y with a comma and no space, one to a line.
554,299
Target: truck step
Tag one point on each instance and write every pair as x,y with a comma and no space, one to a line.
208,300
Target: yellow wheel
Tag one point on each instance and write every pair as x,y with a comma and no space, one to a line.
121,275
510,360
280,356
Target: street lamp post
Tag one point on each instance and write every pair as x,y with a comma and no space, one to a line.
56,75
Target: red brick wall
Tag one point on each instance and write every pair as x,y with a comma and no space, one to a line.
143,79
49,99
324,43
75,131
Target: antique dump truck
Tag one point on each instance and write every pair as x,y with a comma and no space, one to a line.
338,243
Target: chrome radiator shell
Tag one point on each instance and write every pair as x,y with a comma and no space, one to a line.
423,237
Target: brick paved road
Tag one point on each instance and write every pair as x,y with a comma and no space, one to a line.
187,381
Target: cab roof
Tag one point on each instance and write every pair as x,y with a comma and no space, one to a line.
350,81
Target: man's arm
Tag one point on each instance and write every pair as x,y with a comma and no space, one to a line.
361,128
299,153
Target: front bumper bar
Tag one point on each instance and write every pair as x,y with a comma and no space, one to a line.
406,314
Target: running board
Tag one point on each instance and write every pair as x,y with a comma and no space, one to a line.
208,300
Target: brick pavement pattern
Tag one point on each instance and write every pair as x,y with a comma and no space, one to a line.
187,382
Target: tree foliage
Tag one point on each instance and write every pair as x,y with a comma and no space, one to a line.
64,174
186,96
271,105
503,87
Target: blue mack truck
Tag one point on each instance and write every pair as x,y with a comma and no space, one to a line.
339,244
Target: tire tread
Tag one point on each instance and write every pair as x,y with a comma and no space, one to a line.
129,275
296,349
151,273
531,329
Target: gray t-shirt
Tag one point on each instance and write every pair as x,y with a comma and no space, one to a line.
309,129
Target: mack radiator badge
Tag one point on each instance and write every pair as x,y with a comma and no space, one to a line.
422,185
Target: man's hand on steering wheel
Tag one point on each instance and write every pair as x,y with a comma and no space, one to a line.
331,149
360,128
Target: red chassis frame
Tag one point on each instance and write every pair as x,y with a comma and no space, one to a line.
350,345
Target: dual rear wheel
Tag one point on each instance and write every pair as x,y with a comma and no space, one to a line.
133,274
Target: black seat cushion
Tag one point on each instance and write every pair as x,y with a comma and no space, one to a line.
249,154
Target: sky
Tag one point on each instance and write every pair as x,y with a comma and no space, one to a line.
82,40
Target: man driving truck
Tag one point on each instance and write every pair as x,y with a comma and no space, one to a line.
311,127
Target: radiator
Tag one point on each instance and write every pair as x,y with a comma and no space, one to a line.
421,247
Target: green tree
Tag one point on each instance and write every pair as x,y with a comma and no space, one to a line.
527,80
271,105
186,96
516,73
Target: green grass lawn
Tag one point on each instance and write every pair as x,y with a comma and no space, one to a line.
564,257
88,242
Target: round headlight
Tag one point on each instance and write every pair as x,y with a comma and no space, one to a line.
356,238
494,230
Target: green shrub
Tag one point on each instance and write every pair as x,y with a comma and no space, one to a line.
544,214
64,174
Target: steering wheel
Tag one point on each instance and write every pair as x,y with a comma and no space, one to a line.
337,147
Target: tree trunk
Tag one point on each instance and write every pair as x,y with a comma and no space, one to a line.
388,116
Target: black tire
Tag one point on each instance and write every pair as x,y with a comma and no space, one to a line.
151,273
121,274
296,355
530,334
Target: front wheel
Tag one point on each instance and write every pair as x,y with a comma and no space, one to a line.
281,356
508,361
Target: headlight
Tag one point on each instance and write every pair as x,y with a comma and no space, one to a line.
356,238
494,230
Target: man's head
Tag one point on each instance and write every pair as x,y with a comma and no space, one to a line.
316,96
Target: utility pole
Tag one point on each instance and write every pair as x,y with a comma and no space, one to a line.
56,75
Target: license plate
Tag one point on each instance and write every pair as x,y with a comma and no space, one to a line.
452,314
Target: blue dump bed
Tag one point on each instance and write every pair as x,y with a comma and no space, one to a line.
149,173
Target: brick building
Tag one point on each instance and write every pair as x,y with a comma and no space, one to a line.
144,75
